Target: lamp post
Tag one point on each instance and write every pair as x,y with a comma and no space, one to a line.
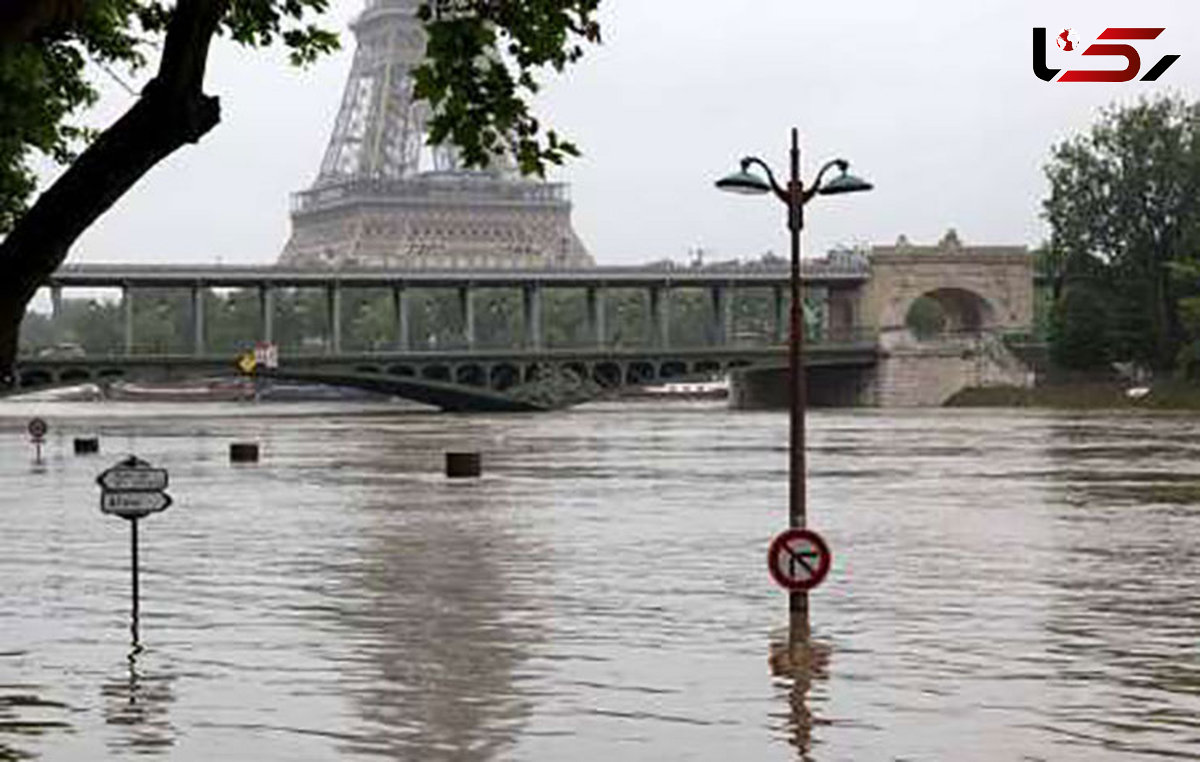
795,196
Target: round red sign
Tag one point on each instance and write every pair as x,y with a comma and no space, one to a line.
37,428
798,559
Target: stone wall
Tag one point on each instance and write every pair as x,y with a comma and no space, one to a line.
923,374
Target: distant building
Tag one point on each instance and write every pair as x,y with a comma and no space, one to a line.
383,198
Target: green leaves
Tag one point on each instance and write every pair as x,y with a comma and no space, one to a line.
1124,205
482,61
256,23
45,84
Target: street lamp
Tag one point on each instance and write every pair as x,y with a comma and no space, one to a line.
795,196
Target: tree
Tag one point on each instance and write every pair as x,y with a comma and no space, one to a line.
1124,203
483,56
1079,329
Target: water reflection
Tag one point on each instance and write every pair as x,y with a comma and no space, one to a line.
25,715
139,705
1006,586
797,664
432,598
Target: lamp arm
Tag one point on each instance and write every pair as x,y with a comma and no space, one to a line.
780,192
842,166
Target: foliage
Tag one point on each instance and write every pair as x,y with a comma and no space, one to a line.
45,85
926,318
1187,277
1124,204
1079,337
480,96
480,72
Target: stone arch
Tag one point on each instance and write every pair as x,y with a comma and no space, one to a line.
949,310
988,286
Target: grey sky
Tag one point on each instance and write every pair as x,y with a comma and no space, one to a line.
934,101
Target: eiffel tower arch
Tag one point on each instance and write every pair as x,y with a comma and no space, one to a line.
384,198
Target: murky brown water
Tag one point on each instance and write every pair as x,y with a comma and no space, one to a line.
1006,586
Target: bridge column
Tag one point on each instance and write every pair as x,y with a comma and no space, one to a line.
595,310
56,315
722,314
333,303
466,307
660,315
266,313
197,320
400,307
532,304
127,308
780,324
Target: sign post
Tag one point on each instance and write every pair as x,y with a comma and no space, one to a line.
37,434
133,489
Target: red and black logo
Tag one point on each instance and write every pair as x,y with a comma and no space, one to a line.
1067,43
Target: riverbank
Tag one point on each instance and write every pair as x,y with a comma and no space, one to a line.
1100,395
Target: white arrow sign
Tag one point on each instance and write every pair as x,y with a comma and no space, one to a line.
133,504
125,479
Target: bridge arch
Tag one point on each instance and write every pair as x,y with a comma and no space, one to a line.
949,311
977,288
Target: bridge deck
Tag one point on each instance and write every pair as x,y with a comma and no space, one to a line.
164,276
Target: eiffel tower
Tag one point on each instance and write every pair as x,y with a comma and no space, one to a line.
384,198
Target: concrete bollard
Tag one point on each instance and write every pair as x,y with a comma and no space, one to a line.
87,445
243,452
460,465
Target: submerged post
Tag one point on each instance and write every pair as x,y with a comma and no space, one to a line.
133,555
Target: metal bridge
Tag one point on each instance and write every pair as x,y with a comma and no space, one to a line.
527,376
515,380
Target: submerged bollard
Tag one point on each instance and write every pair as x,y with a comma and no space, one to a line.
461,465
87,445
243,452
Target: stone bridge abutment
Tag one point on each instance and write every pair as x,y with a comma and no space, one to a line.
941,313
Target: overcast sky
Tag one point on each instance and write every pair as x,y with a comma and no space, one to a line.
934,101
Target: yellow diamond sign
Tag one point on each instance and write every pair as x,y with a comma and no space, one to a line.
246,363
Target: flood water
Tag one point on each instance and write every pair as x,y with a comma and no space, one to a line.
1006,586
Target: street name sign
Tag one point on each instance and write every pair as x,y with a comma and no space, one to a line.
126,478
798,559
133,504
133,488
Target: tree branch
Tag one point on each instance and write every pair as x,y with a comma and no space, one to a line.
172,112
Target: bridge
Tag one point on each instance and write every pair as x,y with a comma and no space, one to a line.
861,346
